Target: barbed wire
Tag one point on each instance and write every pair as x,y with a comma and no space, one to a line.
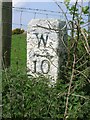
39,10
28,9
59,15
24,9
38,13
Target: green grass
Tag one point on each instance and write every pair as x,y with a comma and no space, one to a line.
18,51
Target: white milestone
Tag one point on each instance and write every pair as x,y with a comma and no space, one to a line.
44,46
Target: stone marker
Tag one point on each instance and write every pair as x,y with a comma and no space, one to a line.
45,48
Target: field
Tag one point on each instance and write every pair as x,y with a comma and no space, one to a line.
18,51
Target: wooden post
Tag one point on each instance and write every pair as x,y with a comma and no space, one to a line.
0,33
6,32
0,59
5,40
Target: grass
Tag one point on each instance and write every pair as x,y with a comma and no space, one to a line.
18,51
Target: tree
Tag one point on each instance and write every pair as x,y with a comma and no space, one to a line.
17,31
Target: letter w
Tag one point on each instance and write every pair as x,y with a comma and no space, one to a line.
41,38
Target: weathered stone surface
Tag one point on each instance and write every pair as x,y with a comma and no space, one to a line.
45,49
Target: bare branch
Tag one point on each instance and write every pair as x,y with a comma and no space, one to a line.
87,47
83,75
82,64
80,58
69,89
81,96
63,12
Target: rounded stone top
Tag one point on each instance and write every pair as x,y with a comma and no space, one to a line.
49,24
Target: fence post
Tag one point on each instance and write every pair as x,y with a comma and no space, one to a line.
6,32
0,33
0,59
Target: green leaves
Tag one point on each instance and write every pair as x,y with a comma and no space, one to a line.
32,97
28,97
85,9
66,1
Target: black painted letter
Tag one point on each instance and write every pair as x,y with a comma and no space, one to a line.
41,38
34,66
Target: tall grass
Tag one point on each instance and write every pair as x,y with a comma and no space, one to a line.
18,52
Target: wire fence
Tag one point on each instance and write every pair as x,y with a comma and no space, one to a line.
23,20
21,16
